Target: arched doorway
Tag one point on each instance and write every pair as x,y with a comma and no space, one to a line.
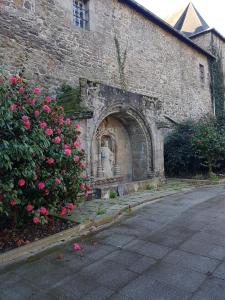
122,146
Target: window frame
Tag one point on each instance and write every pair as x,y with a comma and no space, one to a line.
80,13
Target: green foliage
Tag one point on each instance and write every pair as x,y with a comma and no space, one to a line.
150,187
41,164
208,142
214,178
112,195
180,158
193,148
69,97
217,81
100,209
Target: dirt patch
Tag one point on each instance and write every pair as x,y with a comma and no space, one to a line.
11,237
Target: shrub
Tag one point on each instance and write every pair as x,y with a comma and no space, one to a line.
196,147
180,157
42,167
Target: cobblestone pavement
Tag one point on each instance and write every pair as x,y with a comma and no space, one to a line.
171,249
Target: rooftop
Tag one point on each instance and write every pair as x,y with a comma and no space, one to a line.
164,25
188,21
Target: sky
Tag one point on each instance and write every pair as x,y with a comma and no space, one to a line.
212,11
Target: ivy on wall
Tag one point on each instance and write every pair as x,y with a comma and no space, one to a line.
121,59
217,81
69,98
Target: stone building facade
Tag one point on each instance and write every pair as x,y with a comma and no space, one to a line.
133,69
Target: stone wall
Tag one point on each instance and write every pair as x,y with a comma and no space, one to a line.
207,40
39,35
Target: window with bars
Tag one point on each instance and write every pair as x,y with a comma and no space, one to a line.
80,13
202,73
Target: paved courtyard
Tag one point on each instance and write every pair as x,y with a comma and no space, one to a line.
170,249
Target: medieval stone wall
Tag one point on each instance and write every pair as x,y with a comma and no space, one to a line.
121,49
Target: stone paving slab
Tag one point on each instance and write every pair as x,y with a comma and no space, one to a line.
117,263
94,214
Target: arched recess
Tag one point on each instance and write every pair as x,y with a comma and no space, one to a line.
132,140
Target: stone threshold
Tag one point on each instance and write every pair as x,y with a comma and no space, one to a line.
92,223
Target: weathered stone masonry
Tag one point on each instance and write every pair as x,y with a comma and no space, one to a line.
142,71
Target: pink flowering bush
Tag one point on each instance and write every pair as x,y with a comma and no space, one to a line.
42,168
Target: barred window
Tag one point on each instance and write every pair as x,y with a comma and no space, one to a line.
80,13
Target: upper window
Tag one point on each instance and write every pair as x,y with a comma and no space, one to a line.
202,73
80,13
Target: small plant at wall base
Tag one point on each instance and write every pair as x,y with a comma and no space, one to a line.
42,167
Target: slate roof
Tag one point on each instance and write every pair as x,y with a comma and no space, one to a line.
188,21
164,25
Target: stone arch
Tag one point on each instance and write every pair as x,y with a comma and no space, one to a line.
140,139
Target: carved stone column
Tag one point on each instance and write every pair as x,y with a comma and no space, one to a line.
99,166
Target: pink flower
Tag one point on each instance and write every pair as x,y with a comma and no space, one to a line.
35,220
67,152
76,144
13,202
50,161
76,126
76,247
82,186
46,108
43,210
76,158
36,113
67,121
57,140
48,99
37,91
57,181
27,125
48,132
61,121
63,211
82,165
21,182
43,124
58,130
25,119
29,207
21,90
13,80
13,107
70,206
41,185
